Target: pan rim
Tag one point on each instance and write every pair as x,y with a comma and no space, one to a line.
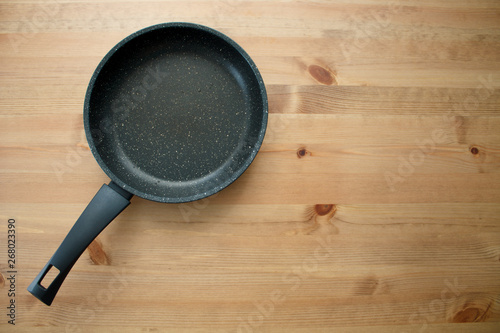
235,174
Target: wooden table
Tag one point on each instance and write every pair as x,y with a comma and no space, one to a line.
374,204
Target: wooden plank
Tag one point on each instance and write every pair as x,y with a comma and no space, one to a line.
373,205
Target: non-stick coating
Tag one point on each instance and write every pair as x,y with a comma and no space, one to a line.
175,112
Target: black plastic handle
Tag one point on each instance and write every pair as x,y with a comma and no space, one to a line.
108,202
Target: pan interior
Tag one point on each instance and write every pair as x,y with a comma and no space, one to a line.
174,114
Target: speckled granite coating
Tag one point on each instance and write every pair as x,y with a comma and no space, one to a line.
175,112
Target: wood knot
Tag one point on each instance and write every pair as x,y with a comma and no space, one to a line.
301,152
324,209
97,254
322,75
469,315
474,150
367,286
472,311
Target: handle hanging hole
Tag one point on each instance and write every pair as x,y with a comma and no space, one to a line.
49,276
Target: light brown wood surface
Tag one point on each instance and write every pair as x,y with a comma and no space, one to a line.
373,205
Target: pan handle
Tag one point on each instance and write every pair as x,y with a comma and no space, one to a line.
109,201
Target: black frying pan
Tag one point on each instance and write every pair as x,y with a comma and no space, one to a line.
173,113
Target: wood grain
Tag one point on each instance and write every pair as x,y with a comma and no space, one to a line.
373,205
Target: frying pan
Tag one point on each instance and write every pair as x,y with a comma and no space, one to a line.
173,113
